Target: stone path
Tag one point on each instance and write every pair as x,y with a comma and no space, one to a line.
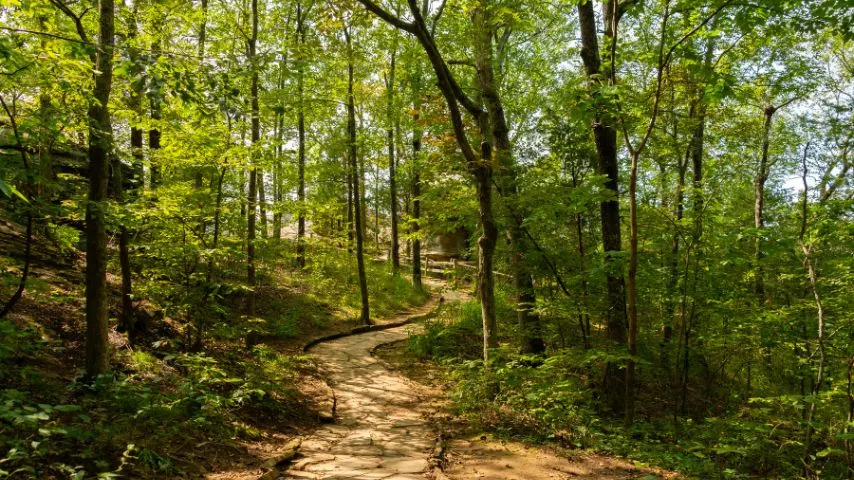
379,432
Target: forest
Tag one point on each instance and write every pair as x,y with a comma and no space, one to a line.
451,239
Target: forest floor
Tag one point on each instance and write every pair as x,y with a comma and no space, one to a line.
392,422
391,416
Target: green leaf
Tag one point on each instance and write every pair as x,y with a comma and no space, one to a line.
10,191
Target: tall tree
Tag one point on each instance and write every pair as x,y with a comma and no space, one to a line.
100,146
605,137
485,30
251,196
480,166
392,180
352,153
415,185
301,59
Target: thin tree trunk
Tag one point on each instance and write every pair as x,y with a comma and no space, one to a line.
486,251
365,316
126,320
849,445
277,181
253,171
673,274
392,181
350,228
276,178
154,102
632,291
200,171
377,209
583,315
262,205
417,133
28,235
759,204
125,183
633,218
217,215
820,327
301,139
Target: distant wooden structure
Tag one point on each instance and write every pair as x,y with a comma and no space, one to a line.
450,245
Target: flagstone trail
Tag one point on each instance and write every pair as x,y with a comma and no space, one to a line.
380,431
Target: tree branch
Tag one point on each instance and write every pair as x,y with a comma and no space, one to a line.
388,17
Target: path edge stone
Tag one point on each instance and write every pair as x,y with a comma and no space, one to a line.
432,305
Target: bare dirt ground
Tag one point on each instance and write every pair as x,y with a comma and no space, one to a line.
476,458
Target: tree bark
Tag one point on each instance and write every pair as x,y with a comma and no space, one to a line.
417,133
126,320
253,171
759,204
301,183
605,137
583,314
198,175
632,292
301,139
528,321
807,250
262,204
392,181
100,145
365,315
154,103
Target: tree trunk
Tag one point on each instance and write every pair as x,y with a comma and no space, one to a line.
100,144
605,138
217,215
126,319
350,228
583,314
759,204
262,204
849,444
417,133
365,316
154,102
198,175
673,264
632,292
528,320
819,308
277,179
28,235
486,251
392,181
480,168
301,139
253,171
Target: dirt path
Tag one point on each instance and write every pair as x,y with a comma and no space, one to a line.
382,428
380,431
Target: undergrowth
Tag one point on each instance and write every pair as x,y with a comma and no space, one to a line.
172,404
134,422
551,398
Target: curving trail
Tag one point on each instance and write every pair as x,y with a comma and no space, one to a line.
382,428
379,432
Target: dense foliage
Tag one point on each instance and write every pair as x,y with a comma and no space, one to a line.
655,198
